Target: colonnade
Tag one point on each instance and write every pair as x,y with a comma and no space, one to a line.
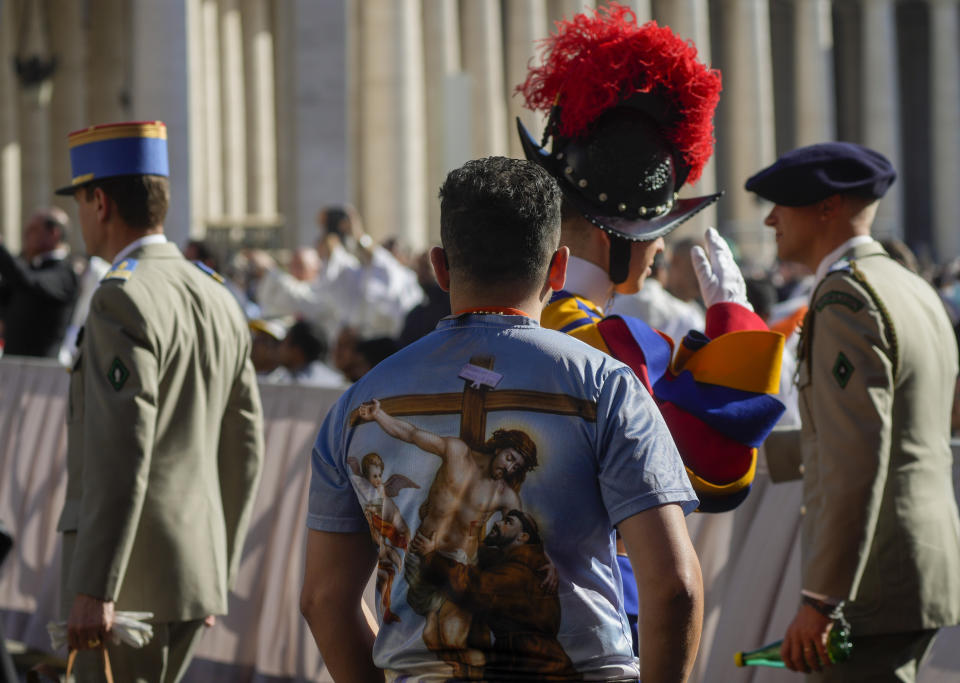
276,108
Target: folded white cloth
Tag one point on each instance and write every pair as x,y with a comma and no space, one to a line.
128,627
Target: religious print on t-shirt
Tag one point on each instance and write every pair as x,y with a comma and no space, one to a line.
489,470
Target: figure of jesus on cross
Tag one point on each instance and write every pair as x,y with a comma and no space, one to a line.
471,485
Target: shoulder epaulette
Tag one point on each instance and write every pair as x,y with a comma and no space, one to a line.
841,266
122,271
209,271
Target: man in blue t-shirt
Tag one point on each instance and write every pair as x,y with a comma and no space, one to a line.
483,470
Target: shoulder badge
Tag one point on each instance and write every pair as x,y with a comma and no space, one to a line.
852,302
842,370
209,271
117,374
843,265
121,271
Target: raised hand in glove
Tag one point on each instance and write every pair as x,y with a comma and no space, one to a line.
719,276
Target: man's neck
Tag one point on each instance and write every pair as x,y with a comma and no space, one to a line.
831,240
588,280
497,302
131,241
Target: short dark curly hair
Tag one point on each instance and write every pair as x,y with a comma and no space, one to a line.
500,221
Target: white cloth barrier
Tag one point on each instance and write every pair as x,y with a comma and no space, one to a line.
750,558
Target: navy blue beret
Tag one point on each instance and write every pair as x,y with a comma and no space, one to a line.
809,174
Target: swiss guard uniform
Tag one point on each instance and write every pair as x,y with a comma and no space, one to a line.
630,121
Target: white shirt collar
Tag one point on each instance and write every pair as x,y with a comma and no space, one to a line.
589,281
835,255
136,244
57,254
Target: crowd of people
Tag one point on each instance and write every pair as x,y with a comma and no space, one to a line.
518,479
324,314
319,315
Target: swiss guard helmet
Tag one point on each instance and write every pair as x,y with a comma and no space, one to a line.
630,120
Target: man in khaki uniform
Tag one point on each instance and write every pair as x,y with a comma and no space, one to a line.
877,366
165,424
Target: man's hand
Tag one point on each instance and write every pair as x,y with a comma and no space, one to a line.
90,622
551,578
421,545
210,621
370,410
804,647
719,276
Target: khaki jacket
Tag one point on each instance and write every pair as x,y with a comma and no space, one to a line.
877,368
165,442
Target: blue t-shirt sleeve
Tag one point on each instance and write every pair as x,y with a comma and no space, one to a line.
333,504
639,465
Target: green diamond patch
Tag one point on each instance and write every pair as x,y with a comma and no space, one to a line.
842,370
117,374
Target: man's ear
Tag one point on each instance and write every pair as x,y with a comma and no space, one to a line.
828,207
102,205
557,274
441,268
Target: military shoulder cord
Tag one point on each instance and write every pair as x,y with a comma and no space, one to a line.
884,313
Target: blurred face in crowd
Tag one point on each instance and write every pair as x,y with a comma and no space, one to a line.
264,352
38,237
305,264
796,228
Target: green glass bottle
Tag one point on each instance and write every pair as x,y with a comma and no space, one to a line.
838,650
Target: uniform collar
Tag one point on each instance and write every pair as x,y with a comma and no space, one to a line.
589,281
836,254
487,320
136,244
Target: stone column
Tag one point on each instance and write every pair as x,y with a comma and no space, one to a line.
10,215
319,144
196,123
34,91
643,10
108,59
393,158
880,104
68,106
745,132
526,23
565,9
159,87
483,60
209,103
690,19
813,72
441,58
262,129
944,124
234,110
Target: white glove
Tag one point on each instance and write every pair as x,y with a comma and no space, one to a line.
719,276
128,627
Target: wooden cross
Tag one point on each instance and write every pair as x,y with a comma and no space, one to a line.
476,400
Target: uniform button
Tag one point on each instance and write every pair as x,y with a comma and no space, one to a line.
803,509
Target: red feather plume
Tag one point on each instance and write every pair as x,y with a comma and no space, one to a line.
598,59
